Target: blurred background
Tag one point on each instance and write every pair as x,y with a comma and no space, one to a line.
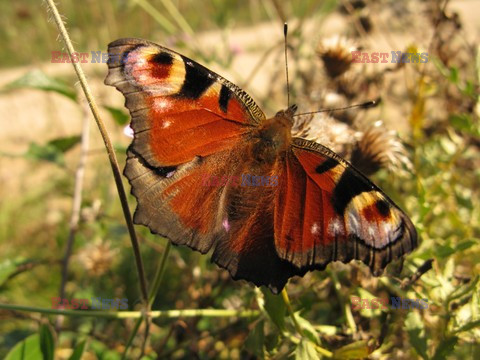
421,144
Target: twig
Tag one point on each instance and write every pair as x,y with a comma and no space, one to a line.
76,204
427,265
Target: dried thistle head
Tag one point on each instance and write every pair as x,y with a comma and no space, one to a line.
326,131
97,257
351,84
379,148
336,54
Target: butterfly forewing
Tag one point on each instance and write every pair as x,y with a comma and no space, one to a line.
174,100
187,122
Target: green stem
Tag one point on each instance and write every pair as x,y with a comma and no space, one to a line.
136,314
319,349
151,297
347,309
159,275
111,152
292,338
290,311
132,336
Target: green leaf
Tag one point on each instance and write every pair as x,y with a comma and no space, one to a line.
64,144
306,351
444,251
464,123
53,150
78,351
8,267
275,308
467,327
256,339
355,350
119,115
453,76
308,329
416,333
27,349
445,348
47,344
37,79
466,244
45,153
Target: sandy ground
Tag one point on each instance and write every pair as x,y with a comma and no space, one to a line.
33,116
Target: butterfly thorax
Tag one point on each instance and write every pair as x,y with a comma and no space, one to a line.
274,136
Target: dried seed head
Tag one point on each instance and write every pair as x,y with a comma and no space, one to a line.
326,131
97,257
379,148
336,54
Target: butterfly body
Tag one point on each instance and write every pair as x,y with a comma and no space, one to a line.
189,121
273,137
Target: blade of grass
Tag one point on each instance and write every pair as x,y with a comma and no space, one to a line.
177,16
154,13
76,205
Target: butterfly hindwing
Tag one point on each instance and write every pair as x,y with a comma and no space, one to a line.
339,215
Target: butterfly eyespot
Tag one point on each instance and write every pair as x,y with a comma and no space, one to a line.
162,58
383,207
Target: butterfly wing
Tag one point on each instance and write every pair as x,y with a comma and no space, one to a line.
326,210
187,122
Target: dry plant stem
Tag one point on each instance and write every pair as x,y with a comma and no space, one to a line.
171,314
76,204
111,152
356,22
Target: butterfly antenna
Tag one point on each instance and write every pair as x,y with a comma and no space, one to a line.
365,105
285,31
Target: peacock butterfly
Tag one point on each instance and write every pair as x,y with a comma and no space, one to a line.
189,121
